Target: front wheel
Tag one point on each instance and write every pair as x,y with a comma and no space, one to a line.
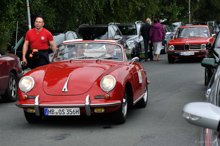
143,102
32,118
119,117
11,92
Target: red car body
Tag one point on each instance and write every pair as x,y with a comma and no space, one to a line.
76,83
191,45
10,73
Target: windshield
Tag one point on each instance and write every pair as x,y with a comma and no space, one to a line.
189,32
128,29
105,51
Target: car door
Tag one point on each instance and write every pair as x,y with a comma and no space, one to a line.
4,72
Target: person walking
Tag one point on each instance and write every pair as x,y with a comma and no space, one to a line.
145,33
38,39
156,36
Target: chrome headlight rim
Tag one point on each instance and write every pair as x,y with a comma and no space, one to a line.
102,83
203,46
130,44
21,84
171,47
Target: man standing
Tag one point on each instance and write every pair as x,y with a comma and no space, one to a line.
145,33
156,35
38,38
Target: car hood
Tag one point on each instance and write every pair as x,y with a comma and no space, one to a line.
78,77
190,40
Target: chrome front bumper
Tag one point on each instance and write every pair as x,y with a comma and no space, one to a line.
87,105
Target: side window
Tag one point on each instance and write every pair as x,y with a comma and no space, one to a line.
69,36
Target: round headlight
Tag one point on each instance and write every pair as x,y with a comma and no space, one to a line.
26,84
130,44
203,46
108,83
171,47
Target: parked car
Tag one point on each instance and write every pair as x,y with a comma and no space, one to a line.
206,115
177,24
214,53
10,74
59,37
214,25
190,41
134,39
168,36
91,84
101,32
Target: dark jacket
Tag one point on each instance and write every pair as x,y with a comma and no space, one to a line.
157,33
145,31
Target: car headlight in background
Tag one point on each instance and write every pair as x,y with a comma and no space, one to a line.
171,47
108,83
130,44
26,84
203,46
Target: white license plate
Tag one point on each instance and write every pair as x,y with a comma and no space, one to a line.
187,53
62,111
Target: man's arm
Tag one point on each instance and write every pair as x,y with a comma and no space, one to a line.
24,51
53,46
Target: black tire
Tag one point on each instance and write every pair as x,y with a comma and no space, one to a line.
11,93
170,59
32,118
143,102
119,116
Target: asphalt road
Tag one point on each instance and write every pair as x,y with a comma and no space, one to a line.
159,124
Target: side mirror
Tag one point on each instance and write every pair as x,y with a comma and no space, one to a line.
202,114
208,46
208,62
213,35
135,59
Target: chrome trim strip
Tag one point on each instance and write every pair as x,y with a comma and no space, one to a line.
139,98
106,104
87,106
36,106
65,85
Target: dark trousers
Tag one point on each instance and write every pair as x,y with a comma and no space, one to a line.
148,54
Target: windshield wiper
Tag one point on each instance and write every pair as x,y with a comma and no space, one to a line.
110,57
83,57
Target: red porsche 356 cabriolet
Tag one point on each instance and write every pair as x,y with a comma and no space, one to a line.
84,78
190,41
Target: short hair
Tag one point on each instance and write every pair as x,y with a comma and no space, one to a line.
148,20
40,17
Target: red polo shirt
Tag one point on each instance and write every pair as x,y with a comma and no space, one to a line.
39,40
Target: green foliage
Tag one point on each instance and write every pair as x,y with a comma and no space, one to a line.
69,14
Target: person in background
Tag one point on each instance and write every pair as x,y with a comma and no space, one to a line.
156,36
38,38
145,33
80,50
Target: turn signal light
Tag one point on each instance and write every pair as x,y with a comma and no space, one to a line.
99,110
24,97
107,96
31,110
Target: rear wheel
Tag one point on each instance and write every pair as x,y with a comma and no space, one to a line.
11,92
119,117
32,118
170,59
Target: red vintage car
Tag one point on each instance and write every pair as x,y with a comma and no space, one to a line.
84,78
190,41
10,73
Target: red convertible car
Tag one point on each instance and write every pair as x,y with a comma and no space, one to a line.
84,78
190,41
10,73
